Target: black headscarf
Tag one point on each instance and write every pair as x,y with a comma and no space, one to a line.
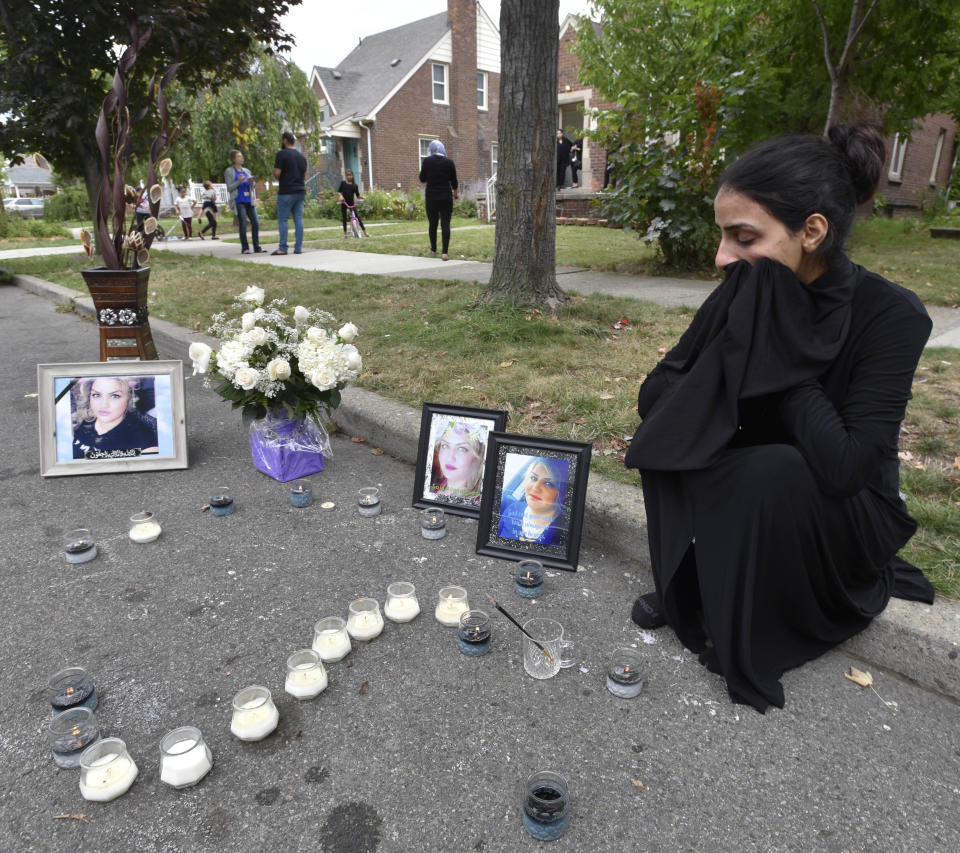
760,332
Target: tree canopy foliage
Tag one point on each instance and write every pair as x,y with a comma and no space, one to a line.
695,82
248,114
60,56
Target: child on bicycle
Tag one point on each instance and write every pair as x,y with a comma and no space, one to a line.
349,194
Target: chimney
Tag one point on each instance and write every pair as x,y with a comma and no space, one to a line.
462,19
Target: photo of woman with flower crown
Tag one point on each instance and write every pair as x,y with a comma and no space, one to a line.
453,448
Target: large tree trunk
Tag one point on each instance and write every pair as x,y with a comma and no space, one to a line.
524,261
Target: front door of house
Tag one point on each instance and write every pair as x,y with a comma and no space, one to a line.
351,160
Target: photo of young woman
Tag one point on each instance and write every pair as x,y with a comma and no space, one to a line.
532,503
456,461
106,422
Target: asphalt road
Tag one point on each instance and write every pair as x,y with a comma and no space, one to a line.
413,746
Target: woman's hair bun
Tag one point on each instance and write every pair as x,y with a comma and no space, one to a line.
863,149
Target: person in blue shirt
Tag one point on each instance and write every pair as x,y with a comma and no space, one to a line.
241,184
532,506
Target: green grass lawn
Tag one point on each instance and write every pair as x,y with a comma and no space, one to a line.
570,377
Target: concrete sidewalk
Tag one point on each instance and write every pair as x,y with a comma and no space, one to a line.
920,642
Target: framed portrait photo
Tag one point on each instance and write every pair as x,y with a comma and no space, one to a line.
533,498
109,417
451,458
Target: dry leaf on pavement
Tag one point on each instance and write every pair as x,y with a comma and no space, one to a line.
377,451
864,679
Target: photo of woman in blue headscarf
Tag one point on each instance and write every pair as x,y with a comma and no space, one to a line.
532,504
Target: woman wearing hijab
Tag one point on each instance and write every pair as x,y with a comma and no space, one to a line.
768,447
440,175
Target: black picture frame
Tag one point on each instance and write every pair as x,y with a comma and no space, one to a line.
476,425
513,460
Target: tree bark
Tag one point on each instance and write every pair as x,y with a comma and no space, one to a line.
524,261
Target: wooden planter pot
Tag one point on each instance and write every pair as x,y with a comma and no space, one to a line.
120,301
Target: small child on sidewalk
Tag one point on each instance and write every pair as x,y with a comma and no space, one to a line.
184,207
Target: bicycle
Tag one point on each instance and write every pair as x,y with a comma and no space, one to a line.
355,226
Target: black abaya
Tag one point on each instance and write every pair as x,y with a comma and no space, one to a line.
768,455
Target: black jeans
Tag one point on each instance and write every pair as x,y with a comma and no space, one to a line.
211,221
245,211
440,210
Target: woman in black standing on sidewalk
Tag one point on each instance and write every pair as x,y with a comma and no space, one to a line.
440,175
768,448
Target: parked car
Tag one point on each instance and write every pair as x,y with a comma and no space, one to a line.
28,208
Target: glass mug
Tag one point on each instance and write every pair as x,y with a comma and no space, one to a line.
549,633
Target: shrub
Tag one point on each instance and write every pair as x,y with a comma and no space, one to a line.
69,203
465,208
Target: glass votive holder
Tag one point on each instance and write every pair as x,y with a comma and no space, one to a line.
78,545
623,673
331,640
402,604
221,501
546,805
432,523
144,527
185,757
368,501
106,770
364,621
451,602
71,687
306,676
529,578
71,732
301,494
473,635
254,714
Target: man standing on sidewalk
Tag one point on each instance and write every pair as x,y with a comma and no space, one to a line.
290,169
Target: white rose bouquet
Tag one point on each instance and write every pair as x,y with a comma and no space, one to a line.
269,360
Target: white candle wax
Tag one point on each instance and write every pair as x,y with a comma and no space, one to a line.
185,764
108,777
306,681
448,611
365,625
254,720
332,645
401,609
145,532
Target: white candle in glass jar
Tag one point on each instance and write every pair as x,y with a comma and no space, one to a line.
401,609
144,527
332,645
452,602
306,676
108,777
365,625
255,717
185,763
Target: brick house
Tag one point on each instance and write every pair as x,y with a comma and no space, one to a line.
574,100
920,166
436,78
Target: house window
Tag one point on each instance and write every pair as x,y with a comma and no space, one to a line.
896,158
493,158
481,90
937,153
439,83
425,147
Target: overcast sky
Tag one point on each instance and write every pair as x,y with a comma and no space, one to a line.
327,31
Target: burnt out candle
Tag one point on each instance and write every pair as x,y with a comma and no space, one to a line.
301,494
546,805
78,545
71,732
473,635
623,674
221,501
70,688
529,578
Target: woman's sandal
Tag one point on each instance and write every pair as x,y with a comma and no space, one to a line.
647,612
